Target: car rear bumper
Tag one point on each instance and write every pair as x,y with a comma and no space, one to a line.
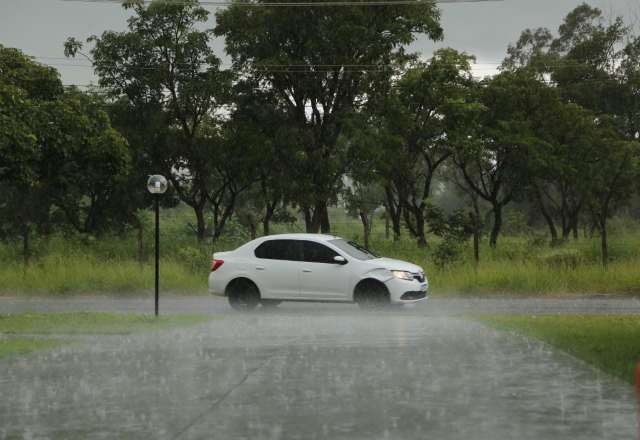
216,285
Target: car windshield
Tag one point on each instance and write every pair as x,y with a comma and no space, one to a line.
354,249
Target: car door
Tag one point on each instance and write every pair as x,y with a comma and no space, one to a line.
321,278
277,268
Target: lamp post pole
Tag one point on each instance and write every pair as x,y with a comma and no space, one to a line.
156,199
157,185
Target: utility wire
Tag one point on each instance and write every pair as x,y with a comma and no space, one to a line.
99,89
224,3
307,67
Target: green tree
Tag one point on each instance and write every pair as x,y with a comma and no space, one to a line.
561,166
430,101
594,63
592,60
86,161
615,170
322,65
262,130
60,156
163,61
494,159
362,200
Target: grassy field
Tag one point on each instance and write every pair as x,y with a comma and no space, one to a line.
611,343
20,346
27,332
522,264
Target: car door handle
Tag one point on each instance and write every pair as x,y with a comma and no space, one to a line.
306,270
259,267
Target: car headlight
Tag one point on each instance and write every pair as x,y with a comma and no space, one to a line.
403,275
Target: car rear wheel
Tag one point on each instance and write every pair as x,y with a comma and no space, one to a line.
243,295
371,294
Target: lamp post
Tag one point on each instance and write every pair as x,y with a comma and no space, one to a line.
157,185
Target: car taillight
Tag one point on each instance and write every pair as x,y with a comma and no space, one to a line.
216,264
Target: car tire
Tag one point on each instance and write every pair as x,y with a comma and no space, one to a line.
371,294
243,295
270,303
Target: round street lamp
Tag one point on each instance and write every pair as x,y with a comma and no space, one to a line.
157,185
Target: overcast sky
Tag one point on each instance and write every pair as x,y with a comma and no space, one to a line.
39,27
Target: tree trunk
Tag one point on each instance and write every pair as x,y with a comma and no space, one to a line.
266,226
396,228
408,221
604,245
476,246
26,250
201,226
317,219
366,226
266,220
308,219
386,225
394,209
566,230
477,229
497,225
574,225
325,225
420,234
547,217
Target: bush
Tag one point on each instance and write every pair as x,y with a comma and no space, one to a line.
560,258
194,259
446,253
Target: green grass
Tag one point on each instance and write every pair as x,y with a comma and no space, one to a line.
20,346
522,264
531,279
27,332
78,273
611,343
91,323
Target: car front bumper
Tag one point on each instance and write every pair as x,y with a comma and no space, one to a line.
406,292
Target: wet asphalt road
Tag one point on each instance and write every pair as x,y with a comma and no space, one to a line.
309,371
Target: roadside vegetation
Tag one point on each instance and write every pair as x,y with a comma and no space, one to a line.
26,332
611,343
17,346
522,182
521,265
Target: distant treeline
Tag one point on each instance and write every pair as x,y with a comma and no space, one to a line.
315,98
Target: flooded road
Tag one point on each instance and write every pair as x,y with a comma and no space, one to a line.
587,305
308,371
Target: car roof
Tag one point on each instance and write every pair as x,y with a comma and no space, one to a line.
300,236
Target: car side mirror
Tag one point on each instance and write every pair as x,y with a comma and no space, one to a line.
338,259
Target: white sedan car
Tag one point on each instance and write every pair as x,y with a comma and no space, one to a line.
312,267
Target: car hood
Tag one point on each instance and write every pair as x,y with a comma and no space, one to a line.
392,264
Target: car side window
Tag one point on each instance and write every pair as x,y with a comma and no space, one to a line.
317,253
279,250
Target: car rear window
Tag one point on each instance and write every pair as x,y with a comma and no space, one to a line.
317,253
290,250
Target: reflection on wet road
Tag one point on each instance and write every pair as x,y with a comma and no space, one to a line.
313,372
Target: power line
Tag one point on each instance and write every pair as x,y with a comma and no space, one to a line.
297,67
493,62
308,67
225,3
477,77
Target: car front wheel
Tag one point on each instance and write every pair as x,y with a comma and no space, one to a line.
371,294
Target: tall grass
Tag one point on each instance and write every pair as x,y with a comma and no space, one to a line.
521,264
